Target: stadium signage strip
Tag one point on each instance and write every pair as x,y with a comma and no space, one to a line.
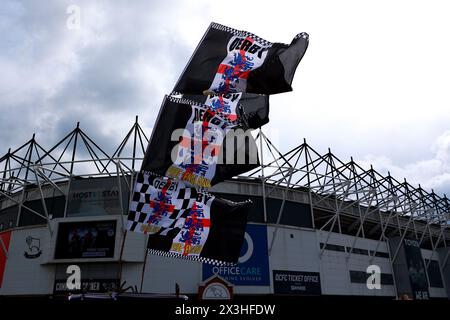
91,285
99,194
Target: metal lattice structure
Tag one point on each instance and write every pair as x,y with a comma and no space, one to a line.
343,197
348,199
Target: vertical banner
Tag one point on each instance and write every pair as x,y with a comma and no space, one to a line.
252,110
416,269
252,268
5,239
229,60
185,223
196,145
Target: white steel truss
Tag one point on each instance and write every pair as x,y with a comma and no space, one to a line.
343,196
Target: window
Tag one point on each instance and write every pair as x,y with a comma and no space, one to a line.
358,251
332,247
382,254
434,274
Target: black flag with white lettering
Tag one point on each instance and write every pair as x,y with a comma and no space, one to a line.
185,223
196,144
252,110
228,60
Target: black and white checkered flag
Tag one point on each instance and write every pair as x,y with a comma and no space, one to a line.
185,223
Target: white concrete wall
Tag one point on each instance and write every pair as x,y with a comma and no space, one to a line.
131,273
28,276
293,249
135,247
335,266
161,274
297,253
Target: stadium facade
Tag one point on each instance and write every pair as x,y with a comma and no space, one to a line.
317,224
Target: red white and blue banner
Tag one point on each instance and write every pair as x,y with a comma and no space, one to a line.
229,60
184,223
251,110
201,138
197,154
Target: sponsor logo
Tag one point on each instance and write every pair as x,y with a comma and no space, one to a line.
412,243
249,252
105,194
252,268
374,279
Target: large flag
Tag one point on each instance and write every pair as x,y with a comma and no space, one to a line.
228,60
196,144
252,110
184,223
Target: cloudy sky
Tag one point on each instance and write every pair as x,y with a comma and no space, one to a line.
374,83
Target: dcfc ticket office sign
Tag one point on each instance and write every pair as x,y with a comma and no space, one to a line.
252,268
296,282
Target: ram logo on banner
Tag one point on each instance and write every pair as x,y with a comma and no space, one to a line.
252,268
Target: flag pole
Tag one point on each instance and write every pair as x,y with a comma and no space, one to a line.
143,269
121,256
124,230
262,175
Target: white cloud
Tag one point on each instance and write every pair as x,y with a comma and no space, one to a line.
430,173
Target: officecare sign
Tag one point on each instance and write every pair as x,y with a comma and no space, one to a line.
252,268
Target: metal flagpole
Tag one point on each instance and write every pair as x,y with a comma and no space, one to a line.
262,176
143,267
121,255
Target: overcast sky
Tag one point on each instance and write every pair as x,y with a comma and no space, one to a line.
374,83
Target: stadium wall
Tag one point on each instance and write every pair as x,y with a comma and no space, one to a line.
36,271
